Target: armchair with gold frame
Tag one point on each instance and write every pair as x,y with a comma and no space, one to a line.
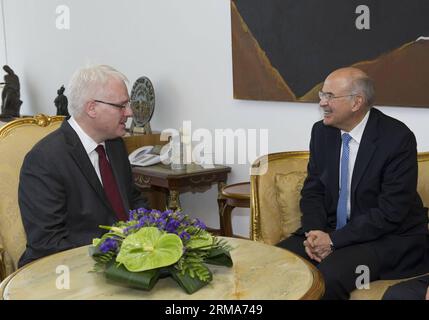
16,139
276,183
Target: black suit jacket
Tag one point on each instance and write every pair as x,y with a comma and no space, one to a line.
61,198
386,210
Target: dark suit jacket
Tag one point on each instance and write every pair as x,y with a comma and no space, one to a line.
386,210
61,198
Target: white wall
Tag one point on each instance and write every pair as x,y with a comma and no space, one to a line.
184,47
2,37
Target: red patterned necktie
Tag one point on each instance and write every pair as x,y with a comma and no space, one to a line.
109,184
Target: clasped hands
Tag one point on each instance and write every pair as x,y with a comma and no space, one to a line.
317,245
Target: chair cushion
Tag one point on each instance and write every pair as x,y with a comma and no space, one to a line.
278,194
376,289
11,228
423,181
288,188
6,263
375,292
16,139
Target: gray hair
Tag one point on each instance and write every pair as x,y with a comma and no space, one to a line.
365,85
87,82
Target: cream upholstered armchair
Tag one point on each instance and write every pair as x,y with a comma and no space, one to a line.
276,183
16,139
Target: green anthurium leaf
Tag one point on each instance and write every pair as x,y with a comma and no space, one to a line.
220,257
202,239
149,248
187,282
141,280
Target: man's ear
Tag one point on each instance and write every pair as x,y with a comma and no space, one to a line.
90,109
359,103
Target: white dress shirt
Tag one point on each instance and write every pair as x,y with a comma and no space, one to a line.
356,134
89,144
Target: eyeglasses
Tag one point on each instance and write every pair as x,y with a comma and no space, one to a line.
328,96
120,106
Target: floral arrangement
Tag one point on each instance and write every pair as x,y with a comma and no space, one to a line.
154,244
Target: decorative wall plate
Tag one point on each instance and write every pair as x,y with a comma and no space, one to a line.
142,101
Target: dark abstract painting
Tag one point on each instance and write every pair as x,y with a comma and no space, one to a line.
284,49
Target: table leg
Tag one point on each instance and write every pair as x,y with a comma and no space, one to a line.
221,202
227,225
173,200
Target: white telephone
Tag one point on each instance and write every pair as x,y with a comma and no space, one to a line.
144,156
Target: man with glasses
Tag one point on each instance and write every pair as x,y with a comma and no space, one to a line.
79,177
362,218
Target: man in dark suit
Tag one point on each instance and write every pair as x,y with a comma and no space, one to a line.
79,177
362,218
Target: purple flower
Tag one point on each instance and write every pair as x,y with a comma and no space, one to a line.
132,215
127,230
178,215
155,213
142,211
160,223
172,226
146,221
184,236
142,221
166,214
185,222
169,221
109,244
199,224
151,220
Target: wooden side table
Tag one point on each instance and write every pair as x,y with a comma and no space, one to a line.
174,182
234,195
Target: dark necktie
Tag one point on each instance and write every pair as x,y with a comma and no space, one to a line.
109,184
344,183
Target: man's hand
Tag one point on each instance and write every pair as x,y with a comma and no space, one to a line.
309,247
317,245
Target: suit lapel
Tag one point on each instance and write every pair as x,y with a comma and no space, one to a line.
79,155
115,161
366,150
333,144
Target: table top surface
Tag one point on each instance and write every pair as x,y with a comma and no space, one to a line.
237,191
260,271
192,169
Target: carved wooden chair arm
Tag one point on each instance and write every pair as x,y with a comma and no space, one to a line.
2,264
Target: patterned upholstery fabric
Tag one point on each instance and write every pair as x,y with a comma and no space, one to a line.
288,186
275,195
275,198
16,139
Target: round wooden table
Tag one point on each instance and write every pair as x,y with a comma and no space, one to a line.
260,271
235,195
